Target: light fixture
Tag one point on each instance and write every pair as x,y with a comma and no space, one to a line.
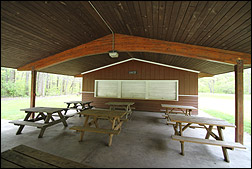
113,53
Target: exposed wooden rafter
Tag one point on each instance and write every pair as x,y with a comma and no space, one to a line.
127,43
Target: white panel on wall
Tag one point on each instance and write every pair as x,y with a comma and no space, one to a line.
133,89
162,90
137,89
107,88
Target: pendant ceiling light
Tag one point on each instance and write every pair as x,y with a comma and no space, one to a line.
113,53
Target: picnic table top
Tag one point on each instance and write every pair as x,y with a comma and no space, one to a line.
43,109
103,113
119,103
200,120
82,102
178,106
23,156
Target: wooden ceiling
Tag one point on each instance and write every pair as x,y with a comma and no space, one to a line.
33,30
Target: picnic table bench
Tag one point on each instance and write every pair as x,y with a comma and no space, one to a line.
23,156
114,116
45,114
203,121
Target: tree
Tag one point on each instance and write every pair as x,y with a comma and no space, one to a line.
27,83
211,85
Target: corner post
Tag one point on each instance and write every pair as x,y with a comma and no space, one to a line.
239,101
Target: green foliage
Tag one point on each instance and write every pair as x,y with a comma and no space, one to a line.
17,84
229,118
224,83
10,107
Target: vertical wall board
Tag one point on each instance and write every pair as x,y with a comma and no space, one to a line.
188,83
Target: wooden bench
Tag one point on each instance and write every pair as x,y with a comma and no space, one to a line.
97,130
230,145
24,156
174,111
225,145
28,123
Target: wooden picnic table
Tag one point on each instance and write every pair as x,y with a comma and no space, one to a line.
121,106
23,156
203,121
45,114
77,104
183,109
114,116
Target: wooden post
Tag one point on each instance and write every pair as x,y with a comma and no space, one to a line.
33,89
239,101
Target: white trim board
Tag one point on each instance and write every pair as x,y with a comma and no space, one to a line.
160,64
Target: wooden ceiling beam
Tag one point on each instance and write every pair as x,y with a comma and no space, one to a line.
127,43
201,74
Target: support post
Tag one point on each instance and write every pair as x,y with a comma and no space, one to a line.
33,89
239,101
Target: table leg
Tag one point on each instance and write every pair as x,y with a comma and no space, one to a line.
48,117
63,119
175,127
68,105
167,115
208,132
85,125
111,135
190,110
96,122
89,106
183,111
21,127
181,142
82,108
224,149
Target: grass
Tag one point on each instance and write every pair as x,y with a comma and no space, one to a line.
10,107
218,105
223,106
247,97
229,118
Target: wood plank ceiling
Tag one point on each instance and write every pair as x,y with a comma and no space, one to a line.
32,30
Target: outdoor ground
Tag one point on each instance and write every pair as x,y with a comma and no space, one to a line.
144,142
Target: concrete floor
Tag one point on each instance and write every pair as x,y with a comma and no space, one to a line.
144,142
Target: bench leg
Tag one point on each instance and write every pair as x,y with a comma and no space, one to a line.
20,129
41,132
